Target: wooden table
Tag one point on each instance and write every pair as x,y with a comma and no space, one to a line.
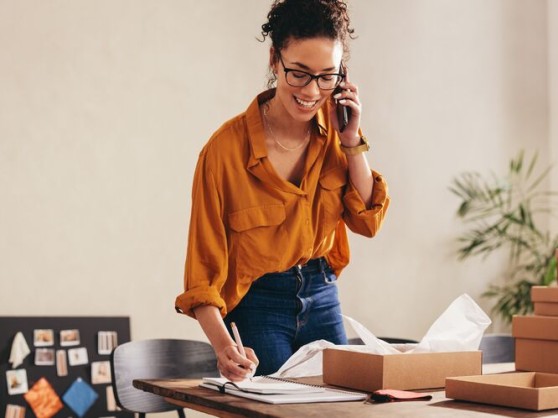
187,394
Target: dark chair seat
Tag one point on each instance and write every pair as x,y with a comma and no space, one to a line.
157,359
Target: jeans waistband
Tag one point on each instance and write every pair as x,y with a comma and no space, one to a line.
313,265
316,271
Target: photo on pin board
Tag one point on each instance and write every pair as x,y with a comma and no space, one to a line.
15,411
61,363
111,401
100,372
69,337
44,357
43,337
17,381
106,341
77,356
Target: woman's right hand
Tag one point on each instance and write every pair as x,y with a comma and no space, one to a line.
232,365
235,367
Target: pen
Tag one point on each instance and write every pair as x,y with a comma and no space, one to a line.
240,346
237,339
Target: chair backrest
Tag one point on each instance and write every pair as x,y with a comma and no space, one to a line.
157,359
497,348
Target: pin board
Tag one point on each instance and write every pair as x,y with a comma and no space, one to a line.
72,354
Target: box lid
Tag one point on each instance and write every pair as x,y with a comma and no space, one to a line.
544,294
545,308
535,327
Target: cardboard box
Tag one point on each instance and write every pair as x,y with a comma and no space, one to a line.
545,308
545,300
536,355
536,343
544,294
528,390
535,327
370,372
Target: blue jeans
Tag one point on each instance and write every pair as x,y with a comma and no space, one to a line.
284,311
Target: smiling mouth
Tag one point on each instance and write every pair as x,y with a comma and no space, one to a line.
306,104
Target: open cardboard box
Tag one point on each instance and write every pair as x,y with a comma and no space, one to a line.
369,372
527,390
545,300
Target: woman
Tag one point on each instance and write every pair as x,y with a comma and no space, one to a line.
273,191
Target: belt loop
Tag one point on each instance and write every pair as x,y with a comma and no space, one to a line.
297,270
322,264
323,270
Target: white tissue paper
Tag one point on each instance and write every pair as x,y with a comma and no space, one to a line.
19,351
459,328
372,343
307,361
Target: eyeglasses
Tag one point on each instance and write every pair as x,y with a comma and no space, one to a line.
298,78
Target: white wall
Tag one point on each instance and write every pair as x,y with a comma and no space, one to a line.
449,87
104,106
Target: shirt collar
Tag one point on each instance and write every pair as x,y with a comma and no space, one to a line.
321,120
256,132
255,127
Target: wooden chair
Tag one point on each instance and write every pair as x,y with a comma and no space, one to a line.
497,348
157,359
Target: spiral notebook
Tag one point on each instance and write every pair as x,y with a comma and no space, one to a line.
279,391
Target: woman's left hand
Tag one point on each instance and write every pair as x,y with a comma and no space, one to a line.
348,96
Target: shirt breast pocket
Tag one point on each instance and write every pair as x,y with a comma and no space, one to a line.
257,234
332,189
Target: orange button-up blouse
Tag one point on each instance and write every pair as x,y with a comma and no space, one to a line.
247,221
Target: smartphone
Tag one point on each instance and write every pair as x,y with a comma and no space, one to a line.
343,112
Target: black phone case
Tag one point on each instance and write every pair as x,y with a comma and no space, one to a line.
343,115
343,112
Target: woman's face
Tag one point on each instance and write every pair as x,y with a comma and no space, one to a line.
315,56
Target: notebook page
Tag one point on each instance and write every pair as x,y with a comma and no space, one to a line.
327,395
263,385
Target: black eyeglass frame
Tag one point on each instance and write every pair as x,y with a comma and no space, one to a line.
312,77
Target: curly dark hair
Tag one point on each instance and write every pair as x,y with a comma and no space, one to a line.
303,19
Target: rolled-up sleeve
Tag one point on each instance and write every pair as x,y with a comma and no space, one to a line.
360,219
206,259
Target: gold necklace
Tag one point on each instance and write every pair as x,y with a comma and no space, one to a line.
272,135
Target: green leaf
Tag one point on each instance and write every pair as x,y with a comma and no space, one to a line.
550,274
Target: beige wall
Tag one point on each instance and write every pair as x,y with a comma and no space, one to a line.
553,92
104,106
449,86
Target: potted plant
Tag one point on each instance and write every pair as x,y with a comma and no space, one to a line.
504,212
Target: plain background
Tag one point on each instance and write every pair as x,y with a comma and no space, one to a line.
105,105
